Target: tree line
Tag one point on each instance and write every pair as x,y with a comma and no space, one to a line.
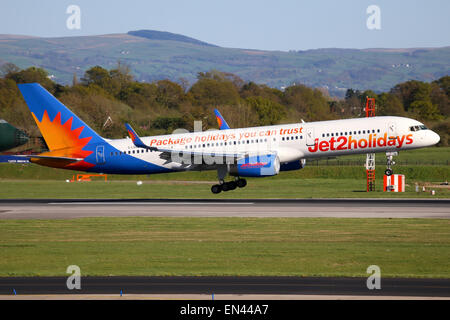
106,99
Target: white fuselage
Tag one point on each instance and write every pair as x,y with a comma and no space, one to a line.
290,142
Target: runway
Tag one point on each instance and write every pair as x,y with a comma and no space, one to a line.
207,286
295,208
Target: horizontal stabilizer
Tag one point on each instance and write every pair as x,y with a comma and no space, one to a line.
56,162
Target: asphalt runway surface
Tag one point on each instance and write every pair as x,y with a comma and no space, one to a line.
269,286
295,208
272,287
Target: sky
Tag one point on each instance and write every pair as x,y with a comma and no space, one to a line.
253,24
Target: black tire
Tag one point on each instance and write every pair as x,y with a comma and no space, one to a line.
232,185
225,187
388,172
241,183
217,188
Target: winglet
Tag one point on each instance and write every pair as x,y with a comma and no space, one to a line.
223,125
135,138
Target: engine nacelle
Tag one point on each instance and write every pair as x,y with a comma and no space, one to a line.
293,165
256,166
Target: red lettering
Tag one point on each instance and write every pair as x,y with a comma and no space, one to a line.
382,141
362,143
352,141
332,141
323,146
409,140
392,142
400,141
316,146
343,141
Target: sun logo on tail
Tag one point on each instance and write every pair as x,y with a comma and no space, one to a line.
219,121
132,135
62,140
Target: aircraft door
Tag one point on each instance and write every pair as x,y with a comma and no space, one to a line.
392,130
310,136
100,154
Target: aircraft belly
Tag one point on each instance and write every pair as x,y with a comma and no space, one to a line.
289,154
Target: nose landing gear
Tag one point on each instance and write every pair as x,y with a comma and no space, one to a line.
390,162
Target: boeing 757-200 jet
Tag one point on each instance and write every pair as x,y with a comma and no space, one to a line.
245,152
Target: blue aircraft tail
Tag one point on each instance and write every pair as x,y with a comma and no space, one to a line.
59,126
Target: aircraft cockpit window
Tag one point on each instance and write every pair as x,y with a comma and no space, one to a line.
417,128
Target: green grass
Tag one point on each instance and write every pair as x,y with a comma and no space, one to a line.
256,188
226,246
422,172
326,181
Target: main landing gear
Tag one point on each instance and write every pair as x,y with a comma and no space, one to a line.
227,186
390,162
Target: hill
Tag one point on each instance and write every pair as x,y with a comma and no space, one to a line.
162,35
154,55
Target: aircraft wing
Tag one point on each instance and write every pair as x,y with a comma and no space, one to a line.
186,156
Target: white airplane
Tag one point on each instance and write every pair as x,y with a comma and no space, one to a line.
246,152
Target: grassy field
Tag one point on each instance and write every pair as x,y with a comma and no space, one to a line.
33,181
226,246
256,188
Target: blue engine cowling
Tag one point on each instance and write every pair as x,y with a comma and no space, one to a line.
256,166
293,165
